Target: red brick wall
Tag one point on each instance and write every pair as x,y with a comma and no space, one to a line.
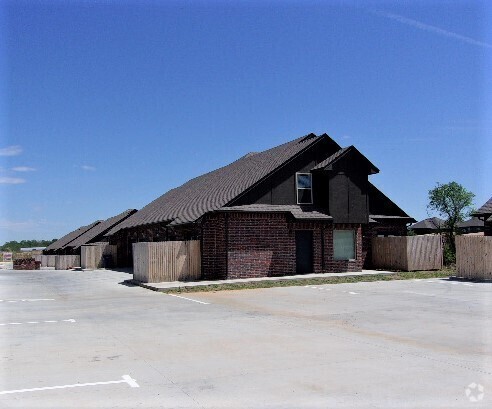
263,245
338,266
259,245
214,255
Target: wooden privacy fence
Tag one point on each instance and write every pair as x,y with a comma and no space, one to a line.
48,261
407,253
167,261
474,257
66,262
93,256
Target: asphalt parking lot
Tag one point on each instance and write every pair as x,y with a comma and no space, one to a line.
85,340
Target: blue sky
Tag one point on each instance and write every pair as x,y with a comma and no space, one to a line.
106,105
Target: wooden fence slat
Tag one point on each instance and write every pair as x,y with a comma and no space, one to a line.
92,255
407,253
474,257
64,262
167,261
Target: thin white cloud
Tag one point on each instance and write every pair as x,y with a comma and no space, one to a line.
23,169
88,168
4,180
12,150
14,225
432,29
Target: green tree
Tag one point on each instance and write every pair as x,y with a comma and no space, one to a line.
15,246
453,203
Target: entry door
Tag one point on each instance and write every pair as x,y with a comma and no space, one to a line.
304,251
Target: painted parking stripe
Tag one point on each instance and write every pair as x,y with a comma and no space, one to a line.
353,293
189,299
29,300
37,322
318,288
450,282
125,379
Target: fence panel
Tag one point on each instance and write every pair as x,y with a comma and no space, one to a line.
64,262
407,253
474,257
48,261
167,261
92,255
424,252
389,252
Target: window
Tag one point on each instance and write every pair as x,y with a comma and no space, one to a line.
344,244
304,186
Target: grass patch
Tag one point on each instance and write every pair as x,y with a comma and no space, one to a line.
403,275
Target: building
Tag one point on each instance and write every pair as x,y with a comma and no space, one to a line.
95,232
301,207
432,225
472,225
485,214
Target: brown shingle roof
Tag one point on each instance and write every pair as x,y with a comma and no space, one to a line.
486,209
340,154
60,243
433,223
473,222
214,190
98,231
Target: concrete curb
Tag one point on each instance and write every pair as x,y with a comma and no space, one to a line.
178,285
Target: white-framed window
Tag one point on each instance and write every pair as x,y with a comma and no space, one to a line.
304,187
344,244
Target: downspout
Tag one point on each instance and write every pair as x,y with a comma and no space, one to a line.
227,244
323,248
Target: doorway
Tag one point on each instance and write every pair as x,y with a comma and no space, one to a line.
304,252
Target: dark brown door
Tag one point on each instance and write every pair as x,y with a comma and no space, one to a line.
304,252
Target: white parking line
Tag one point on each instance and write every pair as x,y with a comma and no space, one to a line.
450,282
29,300
189,299
36,322
416,293
318,288
125,379
351,292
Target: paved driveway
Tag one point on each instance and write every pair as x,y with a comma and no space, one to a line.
84,340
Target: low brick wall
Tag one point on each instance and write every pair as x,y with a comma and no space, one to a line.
26,264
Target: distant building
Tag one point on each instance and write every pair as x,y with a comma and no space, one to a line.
432,225
70,244
30,249
473,225
485,214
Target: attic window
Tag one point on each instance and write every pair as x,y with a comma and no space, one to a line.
304,187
